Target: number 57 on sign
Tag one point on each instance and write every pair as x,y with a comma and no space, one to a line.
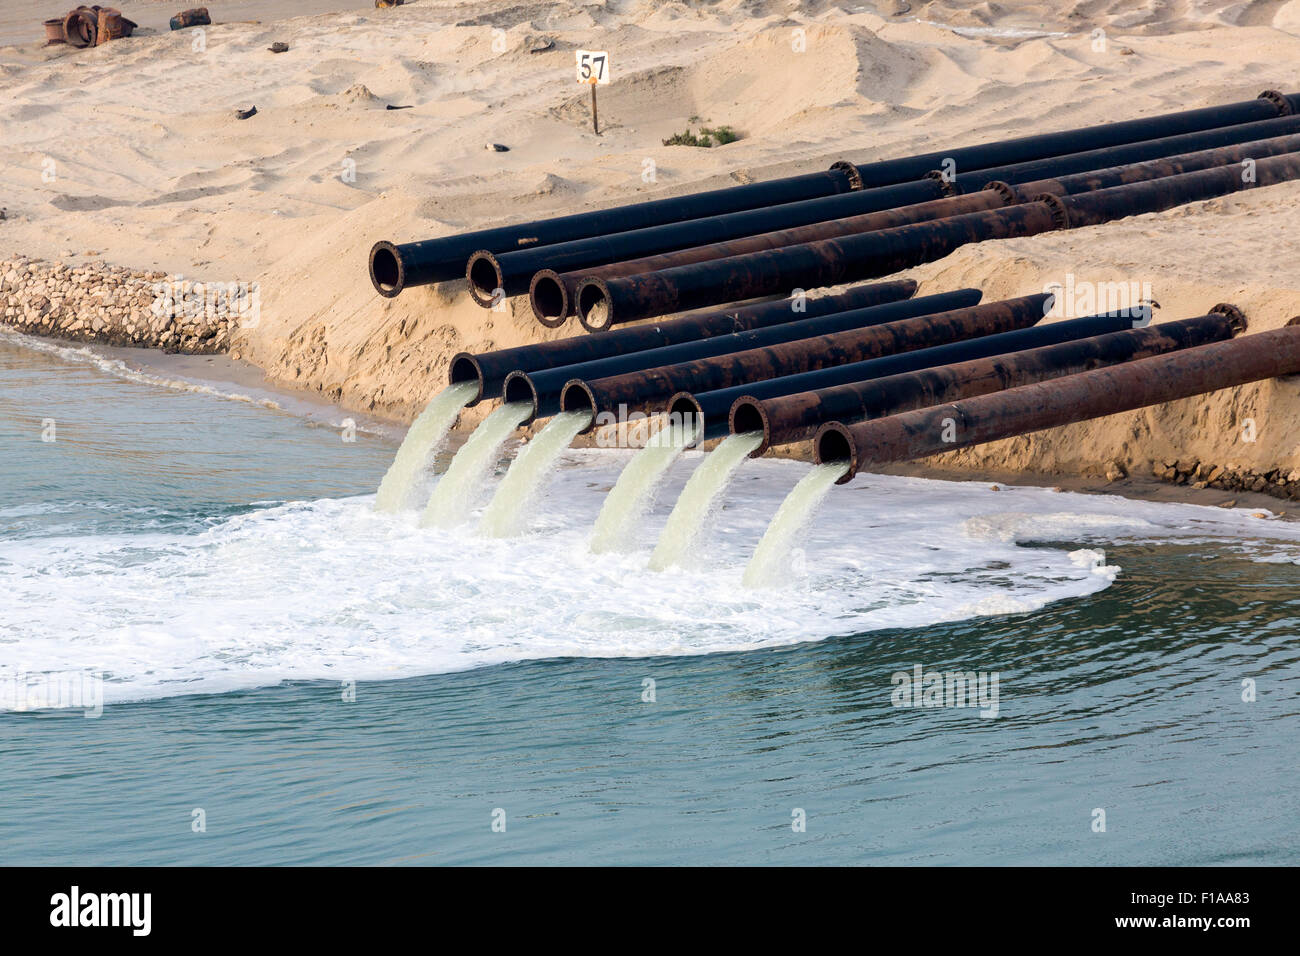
593,66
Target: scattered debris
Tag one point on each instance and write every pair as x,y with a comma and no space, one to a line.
1115,471
390,106
380,4
994,488
541,45
196,17
497,147
245,114
88,26
1126,51
279,47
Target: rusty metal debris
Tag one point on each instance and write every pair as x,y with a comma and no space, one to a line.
85,26
245,114
279,46
195,17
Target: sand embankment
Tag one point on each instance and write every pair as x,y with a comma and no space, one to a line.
131,154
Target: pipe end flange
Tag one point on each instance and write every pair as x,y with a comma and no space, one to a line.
834,442
1235,316
747,414
595,311
1060,212
851,173
549,298
486,283
1279,100
948,186
387,273
1005,190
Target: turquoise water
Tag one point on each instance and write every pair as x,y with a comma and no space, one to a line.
220,565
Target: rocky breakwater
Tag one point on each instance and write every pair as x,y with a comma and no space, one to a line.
114,305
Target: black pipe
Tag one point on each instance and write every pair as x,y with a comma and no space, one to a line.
543,388
652,386
972,180
795,417
393,267
490,369
714,409
512,271
1267,105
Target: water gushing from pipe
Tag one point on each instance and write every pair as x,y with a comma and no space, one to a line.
422,439
702,489
504,515
454,495
632,493
768,565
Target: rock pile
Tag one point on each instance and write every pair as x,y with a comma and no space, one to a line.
96,302
1280,482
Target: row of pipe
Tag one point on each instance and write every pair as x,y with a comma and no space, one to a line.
394,267
827,262
554,293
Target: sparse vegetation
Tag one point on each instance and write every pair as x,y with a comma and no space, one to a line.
707,137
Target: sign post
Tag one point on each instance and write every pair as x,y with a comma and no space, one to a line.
593,69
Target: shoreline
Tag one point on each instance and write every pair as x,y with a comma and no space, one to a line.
235,379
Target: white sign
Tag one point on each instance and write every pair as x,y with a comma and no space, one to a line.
593,66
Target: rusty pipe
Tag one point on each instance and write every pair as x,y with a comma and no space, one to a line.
1223,156
489,369
797,417
607,302
973,180
553,294
492,275
1118,202
713,409
649,388
1063,401
542,389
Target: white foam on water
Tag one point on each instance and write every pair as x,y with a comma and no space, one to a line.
455,495
505,515
702,490
332,590
423,439
633,493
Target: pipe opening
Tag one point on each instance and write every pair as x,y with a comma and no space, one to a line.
747,416
593,306
519,387
549,298
833,444
484,277
386,269
465,368
578,397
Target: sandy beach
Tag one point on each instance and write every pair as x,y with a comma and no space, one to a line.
130,154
